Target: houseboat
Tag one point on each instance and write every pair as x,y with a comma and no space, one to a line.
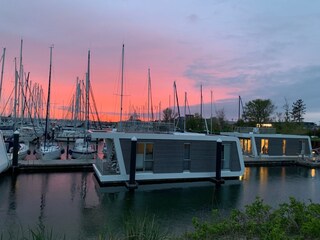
166,157
263,144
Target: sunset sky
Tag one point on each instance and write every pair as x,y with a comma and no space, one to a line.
267,49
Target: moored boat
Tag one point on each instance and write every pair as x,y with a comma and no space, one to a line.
258,144
83,149
23,151
167,157
5,161
48,151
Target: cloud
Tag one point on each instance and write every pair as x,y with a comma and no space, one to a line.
192,18
257,80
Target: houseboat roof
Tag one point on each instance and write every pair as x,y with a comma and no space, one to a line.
264,135
176,136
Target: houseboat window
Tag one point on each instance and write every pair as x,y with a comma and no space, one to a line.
186,159
144,158
149,151
226,153
140,156
284,146
264,146
246,146
302,147
187,151
148,163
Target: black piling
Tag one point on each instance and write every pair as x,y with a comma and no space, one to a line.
218,180
97,145
67,148
53,134
15,150
132,184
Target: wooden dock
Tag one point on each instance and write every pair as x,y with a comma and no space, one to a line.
58,165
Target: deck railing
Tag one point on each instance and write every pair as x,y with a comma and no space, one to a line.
138,126
255,130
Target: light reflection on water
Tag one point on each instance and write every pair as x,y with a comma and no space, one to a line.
74,204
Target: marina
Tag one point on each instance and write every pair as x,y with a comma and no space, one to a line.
104,155
160,112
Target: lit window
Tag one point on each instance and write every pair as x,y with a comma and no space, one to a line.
284,146
264,146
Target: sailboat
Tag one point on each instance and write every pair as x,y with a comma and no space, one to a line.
82,148
48,150
7,126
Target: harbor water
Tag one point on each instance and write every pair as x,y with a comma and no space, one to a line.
73,203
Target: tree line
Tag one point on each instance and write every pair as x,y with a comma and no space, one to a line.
260,111
254,112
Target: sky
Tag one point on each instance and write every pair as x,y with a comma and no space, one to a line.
267,49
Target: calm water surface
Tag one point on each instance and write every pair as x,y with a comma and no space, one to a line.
74,204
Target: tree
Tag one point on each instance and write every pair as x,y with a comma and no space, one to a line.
258,111
286,111
168,115
221,118
134,117
195,123
298,110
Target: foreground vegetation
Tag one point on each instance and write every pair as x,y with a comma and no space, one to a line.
292,220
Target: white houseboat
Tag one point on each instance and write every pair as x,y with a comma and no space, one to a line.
166,157
260,144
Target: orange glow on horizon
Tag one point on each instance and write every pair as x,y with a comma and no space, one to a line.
105,81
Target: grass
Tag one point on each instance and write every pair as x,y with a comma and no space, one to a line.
292,220
38,233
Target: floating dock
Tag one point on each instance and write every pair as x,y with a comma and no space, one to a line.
56,165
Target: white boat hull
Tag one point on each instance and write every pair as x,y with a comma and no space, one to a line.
5,162
82,154
51,152
82,150
23,151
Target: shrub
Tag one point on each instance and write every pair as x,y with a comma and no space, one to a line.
293,220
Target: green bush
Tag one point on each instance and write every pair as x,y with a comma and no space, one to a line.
293,220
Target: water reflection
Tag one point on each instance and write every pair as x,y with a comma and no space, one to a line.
44,189
12,197
74,204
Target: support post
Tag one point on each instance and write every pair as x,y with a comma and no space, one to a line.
15,149
218,180
132,178
67,147
97,145
53,134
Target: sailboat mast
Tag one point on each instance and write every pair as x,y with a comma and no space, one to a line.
15,93
87,92
150,108
185,112
121,94
201,101
148,94
48,99
2,70
21,85
211,112
77,97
